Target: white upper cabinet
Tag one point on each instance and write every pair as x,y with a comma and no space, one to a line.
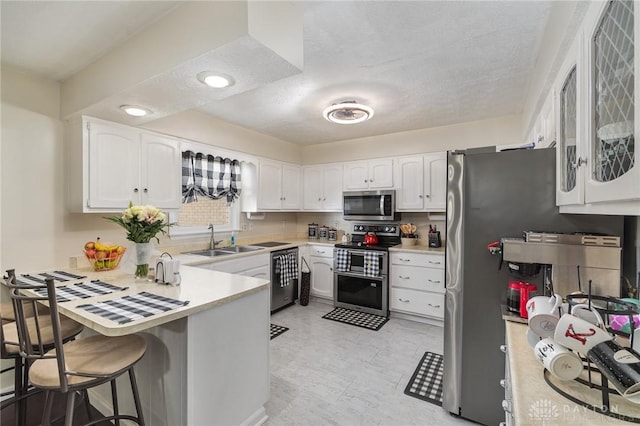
368,174
322,187
570,131
279,186
160,169
421,182
110,165
597,167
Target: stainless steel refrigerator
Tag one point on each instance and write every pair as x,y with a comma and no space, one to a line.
492,195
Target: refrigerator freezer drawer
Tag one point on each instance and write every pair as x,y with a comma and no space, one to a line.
426,279
417,302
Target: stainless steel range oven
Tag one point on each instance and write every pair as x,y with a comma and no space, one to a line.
360,278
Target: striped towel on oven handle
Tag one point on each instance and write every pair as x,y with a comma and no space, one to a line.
371,263
343,260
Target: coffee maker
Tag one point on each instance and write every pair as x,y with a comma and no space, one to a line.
569,260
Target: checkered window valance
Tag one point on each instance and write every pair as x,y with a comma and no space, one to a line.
209,176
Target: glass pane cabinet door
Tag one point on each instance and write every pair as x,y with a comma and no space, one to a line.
613,148
568,116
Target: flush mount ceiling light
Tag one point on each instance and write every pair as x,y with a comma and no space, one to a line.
215,79
348,112
135,111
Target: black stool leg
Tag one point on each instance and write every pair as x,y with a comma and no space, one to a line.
71,402
17,391
114,398
87,404
136,396
48,404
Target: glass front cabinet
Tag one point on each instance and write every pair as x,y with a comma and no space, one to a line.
596,126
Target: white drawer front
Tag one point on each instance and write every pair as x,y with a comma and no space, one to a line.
321,251
417,259
417,302
428,279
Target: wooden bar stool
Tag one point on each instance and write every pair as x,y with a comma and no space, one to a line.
10,349
77,365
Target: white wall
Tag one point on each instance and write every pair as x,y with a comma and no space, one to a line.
498,131
200,127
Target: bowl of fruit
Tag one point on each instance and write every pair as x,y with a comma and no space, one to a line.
103,256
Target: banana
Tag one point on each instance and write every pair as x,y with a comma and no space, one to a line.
103,247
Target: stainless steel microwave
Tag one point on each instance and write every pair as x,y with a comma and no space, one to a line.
369,205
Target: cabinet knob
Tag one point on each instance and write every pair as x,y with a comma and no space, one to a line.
365,181
319,199
135,190
506,406
420,196
503,383
324,199
503,348
145,190
579,162
427,196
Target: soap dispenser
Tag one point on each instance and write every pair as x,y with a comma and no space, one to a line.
232,240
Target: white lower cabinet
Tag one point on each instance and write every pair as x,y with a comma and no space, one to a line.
416,284
321,265
256,265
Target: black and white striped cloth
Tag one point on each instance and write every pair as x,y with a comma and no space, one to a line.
371,263
343,260
39,278
133,307
286,268
209,176
81,291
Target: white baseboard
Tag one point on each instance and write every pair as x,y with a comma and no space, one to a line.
425,320
256,419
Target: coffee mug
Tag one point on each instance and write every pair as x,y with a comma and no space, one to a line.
543,314
579,334
560,361
621,366
532,338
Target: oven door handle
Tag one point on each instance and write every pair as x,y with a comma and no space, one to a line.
362,252
360,275
382,205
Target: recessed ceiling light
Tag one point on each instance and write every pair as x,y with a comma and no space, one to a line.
215,80
135,111
348,112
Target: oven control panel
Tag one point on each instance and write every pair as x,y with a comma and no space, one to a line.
377,228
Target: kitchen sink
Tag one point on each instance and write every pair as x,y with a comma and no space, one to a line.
225,251
239,249
211,253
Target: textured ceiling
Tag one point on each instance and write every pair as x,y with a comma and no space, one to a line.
418,64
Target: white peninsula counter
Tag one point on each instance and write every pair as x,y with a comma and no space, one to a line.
207,363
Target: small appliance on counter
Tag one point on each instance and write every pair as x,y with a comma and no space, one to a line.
167,270
518,295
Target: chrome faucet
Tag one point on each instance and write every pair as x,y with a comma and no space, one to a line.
213,242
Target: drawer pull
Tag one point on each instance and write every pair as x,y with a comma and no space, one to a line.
434,281
403,278
503,348
404,301
434,263
503,383
433,306
404,260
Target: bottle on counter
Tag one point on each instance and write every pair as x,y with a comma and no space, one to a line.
232,240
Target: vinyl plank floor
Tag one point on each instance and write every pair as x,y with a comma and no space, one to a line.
327,373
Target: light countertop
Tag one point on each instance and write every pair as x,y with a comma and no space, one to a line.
204,289
536,403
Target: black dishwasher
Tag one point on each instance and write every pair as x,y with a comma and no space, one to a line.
284,278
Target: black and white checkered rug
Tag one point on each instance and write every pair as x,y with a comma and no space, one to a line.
277,330
359,319
426,382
